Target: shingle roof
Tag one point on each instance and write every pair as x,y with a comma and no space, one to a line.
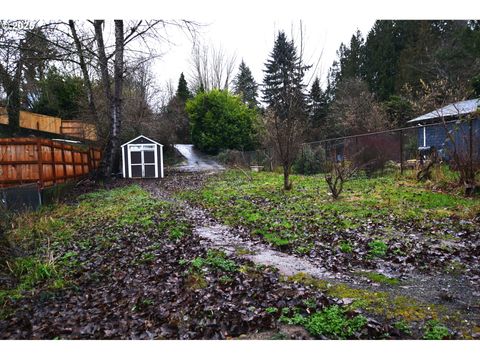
455,109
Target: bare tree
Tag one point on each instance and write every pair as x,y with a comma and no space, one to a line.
285,135
133,40
212,67
355,110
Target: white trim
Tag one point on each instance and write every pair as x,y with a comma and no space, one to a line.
123,163
138,137
156,161
129,163
424,136
161,161
142,148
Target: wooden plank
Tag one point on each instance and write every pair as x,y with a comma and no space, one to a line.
73,162
27,160
40,164
19,162
63,163
54,169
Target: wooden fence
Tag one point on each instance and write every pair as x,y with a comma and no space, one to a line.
56,125
42,161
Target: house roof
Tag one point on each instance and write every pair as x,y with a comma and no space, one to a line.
455,109
141,136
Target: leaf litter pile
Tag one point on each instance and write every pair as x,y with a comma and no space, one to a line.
117,264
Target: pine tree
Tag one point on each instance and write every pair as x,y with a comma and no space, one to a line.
283,92
244,85
182,90
317,103
283,80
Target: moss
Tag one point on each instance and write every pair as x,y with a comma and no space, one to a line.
376,302
240,251
379,278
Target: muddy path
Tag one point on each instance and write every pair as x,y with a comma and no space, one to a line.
455,294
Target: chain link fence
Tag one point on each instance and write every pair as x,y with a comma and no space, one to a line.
404,148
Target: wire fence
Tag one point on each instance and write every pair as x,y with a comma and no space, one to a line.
403,148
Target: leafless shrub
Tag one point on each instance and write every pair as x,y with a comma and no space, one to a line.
337,174
355,109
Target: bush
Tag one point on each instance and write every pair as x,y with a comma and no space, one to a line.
220,120
310,161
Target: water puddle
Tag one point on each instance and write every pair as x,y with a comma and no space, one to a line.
221,237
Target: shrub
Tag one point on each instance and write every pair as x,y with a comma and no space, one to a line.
220,120
310,161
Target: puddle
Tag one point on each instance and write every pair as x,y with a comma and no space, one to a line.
221,237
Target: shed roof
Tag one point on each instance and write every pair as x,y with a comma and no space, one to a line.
455,109
141,136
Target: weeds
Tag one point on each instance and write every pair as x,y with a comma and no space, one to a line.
332,322
435,331
377,248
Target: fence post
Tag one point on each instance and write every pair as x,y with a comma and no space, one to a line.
54,167
40,163
470,150
89,159
65,175
73,162
401,151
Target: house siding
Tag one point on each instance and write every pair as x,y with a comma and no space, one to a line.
436,136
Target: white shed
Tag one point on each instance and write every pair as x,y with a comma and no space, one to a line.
142,158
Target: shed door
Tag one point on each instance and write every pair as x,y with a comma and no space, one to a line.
149,161
136,161
142,161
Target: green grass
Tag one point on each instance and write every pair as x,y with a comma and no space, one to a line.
345,247
215,259
43,235
377,248
283,217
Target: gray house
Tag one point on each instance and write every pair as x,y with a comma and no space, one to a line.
142,158
461,120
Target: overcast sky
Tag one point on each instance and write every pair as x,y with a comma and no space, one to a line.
247,28
253,41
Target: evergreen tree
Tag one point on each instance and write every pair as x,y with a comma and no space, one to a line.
182,90
318,104
283,92
283,80
59,95
244,85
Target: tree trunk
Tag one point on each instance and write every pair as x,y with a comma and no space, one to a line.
114,108
117,98
86,77
287,185
12,89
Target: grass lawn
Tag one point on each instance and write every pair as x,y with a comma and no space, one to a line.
374,218
119,264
